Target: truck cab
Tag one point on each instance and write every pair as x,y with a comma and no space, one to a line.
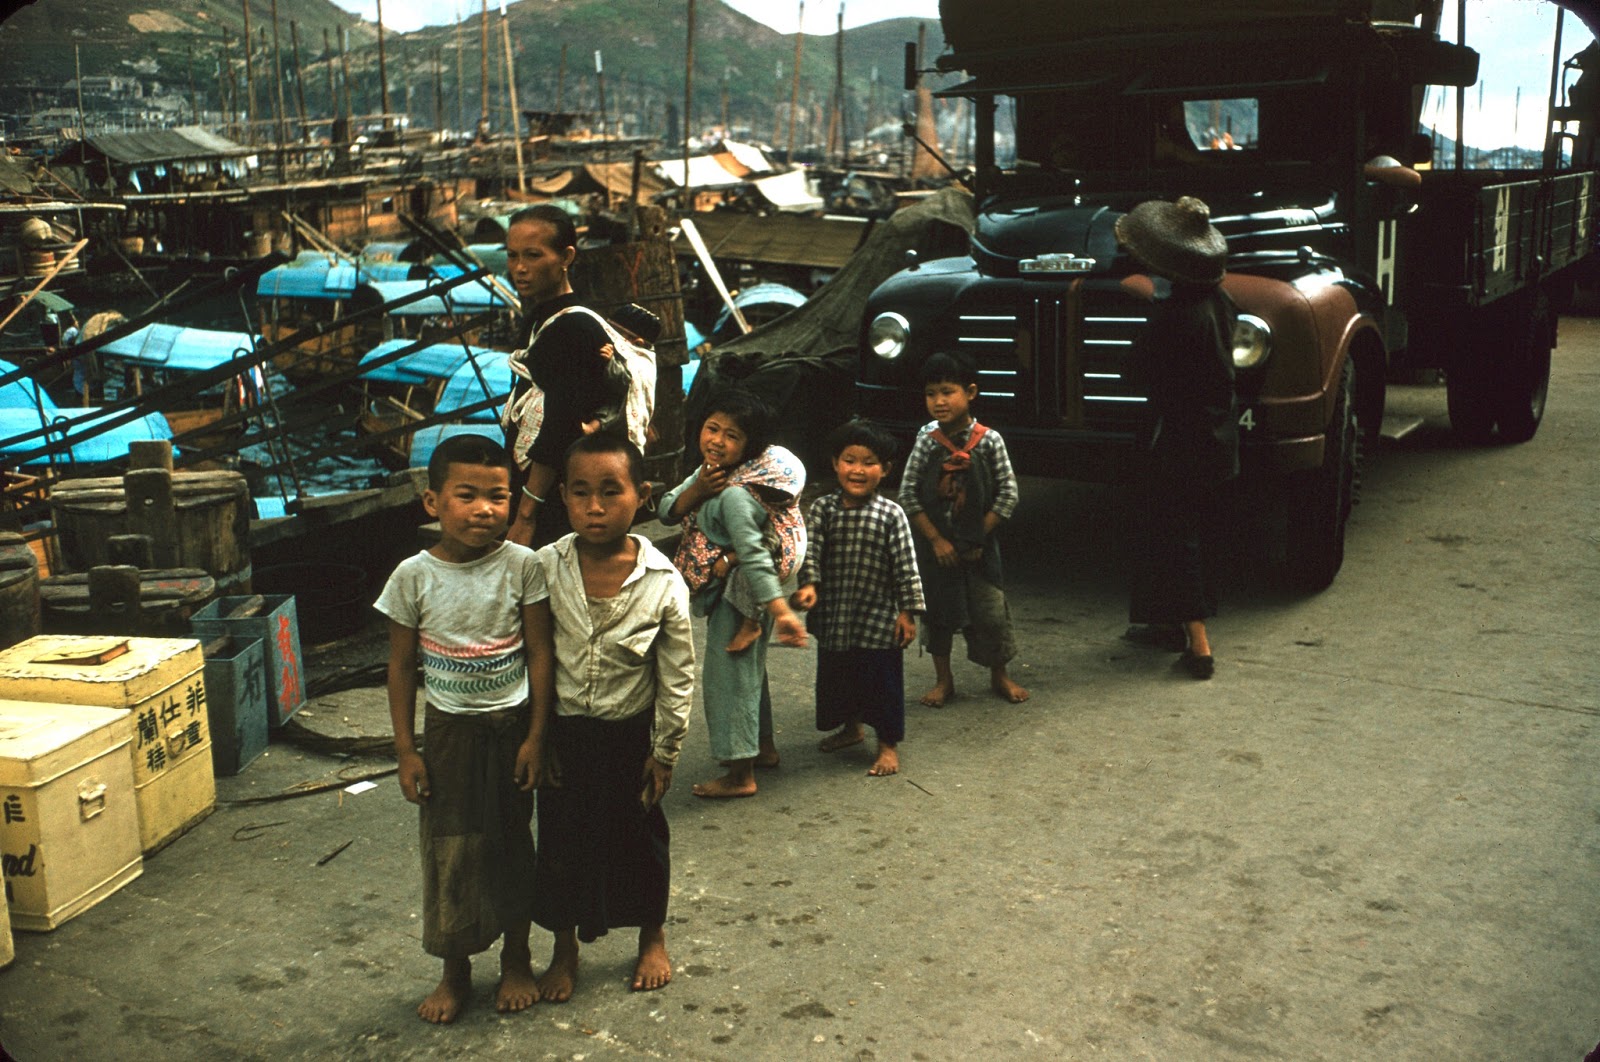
1297,124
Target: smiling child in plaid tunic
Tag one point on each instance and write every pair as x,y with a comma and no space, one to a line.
860,581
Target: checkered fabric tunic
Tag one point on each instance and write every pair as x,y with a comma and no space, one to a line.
927,459
865,570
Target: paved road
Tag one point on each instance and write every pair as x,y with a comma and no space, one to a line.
1372,836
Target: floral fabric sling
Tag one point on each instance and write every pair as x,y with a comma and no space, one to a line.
776,479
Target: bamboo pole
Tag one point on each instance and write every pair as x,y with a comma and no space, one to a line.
194,97
299,80
224,74
61,263
249,81
333,87
383,68
438,92
836,112
561,79
483,63
344,74
685,200
794,84
511,96
277,78
77,74
461,99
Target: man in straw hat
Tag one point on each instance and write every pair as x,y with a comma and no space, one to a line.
1189,442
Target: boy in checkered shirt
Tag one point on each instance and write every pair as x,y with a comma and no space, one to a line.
860,583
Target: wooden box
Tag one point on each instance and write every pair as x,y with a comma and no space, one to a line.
158,681
236,683
278,627
8,948
69,827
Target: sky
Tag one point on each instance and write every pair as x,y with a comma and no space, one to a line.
1512,36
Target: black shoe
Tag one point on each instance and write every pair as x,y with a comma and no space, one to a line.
1167,636
1200,667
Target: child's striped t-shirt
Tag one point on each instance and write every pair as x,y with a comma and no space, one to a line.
468,619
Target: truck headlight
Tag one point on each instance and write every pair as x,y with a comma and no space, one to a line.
888,334
1252,341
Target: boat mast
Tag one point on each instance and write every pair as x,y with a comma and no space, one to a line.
794,83
299,82
383,68
684,203
511,98
249,81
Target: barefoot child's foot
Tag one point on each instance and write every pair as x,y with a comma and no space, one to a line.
732,784
654,968
518,989
446,1002
843,738
1002,684
556,983
747,634
942,691
887,763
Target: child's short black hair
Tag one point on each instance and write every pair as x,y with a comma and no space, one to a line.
606,442
949,368
862,433
467,450
566,234
754,417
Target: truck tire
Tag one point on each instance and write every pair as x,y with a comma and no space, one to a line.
1524,378
1318,501
1504,383
1470,399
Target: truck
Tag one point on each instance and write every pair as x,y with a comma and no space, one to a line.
1352,257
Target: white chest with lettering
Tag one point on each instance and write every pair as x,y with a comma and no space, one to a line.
69,828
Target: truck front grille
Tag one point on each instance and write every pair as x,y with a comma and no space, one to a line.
1057,360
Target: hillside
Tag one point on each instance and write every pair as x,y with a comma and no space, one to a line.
643,58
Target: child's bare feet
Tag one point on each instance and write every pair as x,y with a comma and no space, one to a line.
518,989
732,784
887,763
843,738
654,968
556,983
1002,684
942,691
747,634
446,1002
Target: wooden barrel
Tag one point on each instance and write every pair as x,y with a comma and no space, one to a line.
37,263
166,601
131,245
210,527
258,244
19,590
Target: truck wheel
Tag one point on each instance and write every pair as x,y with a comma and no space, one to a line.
1319,500
1469,397
1524,381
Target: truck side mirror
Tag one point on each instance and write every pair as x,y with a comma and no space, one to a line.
911,66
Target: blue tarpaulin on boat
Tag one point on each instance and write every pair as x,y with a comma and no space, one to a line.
24,408
307,280
163,346
463,390
464,298
345,277
432,364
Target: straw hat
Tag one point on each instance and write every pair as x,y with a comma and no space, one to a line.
1176,240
